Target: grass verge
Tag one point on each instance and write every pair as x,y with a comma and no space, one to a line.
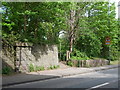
114,62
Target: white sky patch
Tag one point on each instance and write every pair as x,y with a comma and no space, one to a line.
1,10
61,34
119,9
116,4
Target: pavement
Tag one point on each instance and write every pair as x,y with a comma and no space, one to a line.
50,74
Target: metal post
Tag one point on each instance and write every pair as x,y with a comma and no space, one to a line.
60,49
15,59
109,54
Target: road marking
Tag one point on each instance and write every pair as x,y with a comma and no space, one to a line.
102,84
98,86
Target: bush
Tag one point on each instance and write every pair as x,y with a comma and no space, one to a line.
70,63
31,68
42,68
39,68
53,67
114,54
6,70
77,55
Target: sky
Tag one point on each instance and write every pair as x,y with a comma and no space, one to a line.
116,4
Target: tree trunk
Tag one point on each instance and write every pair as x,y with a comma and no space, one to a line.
74,24
71,33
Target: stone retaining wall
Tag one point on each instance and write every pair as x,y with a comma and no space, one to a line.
89,63
38,55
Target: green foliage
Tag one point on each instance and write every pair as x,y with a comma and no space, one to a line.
53,67
114,62
6,70
39,68
78,58
63,47
70,63
40,24
97,58
91,45
43,23
77,55
114,54
102,28
31,68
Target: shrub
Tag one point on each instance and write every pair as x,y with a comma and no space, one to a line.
53,67
77,55
39,68
6,70
42,68
31,68
70,63
114,54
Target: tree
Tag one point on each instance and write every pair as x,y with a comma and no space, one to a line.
75,13
100,24
40,24
86,24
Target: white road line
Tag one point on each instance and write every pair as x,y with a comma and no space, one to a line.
99,85
102,85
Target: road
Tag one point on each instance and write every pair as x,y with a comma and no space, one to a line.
89,81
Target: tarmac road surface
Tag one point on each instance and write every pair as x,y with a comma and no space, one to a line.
100,79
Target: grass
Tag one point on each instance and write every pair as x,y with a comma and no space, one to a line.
115,62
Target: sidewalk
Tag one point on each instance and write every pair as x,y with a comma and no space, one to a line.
49,74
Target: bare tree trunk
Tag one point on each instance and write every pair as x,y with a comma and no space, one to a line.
74,24
71,33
